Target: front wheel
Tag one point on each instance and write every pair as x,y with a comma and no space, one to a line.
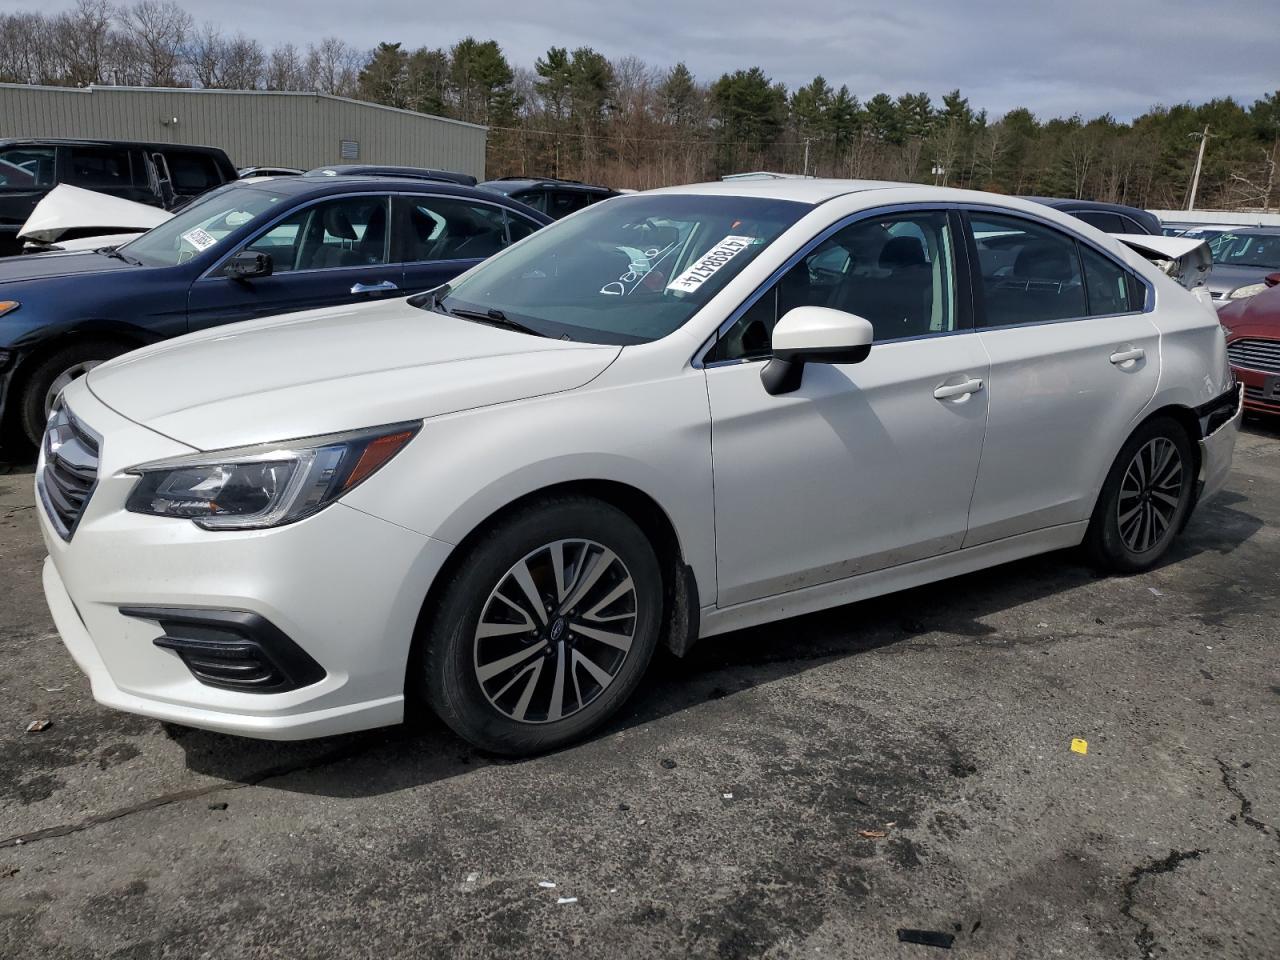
1144,500
53,374
546,628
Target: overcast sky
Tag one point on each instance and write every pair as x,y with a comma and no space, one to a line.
1086,56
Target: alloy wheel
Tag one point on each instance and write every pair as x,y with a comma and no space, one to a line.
1149,494
60,382
555,631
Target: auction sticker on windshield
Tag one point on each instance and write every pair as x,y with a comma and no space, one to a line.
710,263
200,239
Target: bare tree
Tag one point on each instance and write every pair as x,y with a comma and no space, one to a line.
81,38
333,66
285,70
27,52
157,31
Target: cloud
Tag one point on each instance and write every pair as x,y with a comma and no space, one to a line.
1080,56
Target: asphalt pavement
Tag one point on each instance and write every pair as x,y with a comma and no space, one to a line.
807,789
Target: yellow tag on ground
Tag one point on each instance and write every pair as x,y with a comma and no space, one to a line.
1079,746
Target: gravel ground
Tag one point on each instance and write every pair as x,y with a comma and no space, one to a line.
805,789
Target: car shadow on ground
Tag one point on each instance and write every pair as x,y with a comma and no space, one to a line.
425,751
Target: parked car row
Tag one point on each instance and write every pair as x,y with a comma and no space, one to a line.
247,249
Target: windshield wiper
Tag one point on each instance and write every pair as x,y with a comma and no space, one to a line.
494,318
117,255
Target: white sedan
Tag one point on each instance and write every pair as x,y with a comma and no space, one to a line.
672,415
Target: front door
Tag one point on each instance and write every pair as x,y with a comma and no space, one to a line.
328,253
866,465
1074,362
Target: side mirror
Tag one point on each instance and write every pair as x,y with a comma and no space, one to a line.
1272,279
245,265
814,335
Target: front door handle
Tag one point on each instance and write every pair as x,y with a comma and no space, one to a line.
951,390
379,287
1127,356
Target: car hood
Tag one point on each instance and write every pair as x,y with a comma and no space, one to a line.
1226,277
1257,316
72,208
39,267
330,370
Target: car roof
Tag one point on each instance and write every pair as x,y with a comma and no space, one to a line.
1253,231
1066,203
368,183
812,191
104,142
523,183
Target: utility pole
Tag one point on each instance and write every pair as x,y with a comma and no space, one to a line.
1195,178
806,156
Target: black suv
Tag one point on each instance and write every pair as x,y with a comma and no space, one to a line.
555,198
160,174
1107,217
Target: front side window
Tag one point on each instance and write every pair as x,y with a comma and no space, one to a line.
1029,273
1106,222
565,202
343,232
897,272
628,271
99,167
203,225
25,168
532,198
445,229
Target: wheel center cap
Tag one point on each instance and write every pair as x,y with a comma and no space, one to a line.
558,628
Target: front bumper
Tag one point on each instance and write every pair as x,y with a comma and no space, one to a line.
345,586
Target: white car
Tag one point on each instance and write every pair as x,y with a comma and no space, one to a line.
669,416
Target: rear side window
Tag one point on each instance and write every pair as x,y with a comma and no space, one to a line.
192,172
1030,273
99,167
444,229
565,202
24,168
1106,222
1107,283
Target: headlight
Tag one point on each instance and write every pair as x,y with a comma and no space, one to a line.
267,485
1240,293
8,306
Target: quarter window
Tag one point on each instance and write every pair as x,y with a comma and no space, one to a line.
1030,273
519,227
346,232
897,272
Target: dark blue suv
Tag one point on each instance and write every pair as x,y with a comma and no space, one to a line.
245,250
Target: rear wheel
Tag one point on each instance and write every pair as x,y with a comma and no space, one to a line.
52,375
1145,498
546,628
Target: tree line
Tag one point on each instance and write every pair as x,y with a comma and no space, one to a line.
580,115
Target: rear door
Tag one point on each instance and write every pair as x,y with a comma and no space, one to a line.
326,253
437,238
119,171
1074,362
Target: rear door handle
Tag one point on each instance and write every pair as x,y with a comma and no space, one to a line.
378,287
951,390
1125,356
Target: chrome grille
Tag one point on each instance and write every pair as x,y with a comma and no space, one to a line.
70,470
1253,354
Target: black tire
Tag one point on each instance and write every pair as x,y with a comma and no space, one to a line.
31,411
1132,547
451,658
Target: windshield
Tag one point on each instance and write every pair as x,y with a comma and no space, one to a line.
202,225
1247,250
629,270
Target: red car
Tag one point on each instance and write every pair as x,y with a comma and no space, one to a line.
1253,346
